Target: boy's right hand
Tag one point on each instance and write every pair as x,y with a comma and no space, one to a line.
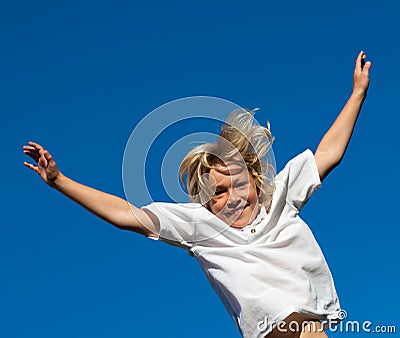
361,74
46,167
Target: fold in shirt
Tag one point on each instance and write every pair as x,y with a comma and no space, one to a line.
268,269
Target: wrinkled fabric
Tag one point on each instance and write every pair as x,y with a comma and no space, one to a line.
268,269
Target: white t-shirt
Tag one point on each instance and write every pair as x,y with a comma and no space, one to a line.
268,269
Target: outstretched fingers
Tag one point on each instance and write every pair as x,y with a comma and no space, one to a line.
31,166
361,56
367,67
47,156
361,64
42,159
38,154
361,73
32,153
35,145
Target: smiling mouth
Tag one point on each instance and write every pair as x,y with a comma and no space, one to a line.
237,212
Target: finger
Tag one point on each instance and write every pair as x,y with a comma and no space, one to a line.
367,67
42,160
31,151
31,166
358,60
363,58
48,156
35,145
30,148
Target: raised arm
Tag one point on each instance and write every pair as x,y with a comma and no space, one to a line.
333,145
112,209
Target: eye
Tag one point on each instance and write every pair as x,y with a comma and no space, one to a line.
219,192
240,185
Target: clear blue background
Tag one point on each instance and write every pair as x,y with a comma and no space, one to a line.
77,76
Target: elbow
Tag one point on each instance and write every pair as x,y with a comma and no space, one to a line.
326,162
138,221
122,222
139,230
119,225
333,159
333,162
336,161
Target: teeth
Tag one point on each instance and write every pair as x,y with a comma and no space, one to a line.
231,213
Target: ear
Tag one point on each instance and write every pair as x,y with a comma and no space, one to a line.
260,197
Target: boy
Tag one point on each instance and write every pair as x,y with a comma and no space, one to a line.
243,228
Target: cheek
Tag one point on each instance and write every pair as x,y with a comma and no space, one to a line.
253,196
217,205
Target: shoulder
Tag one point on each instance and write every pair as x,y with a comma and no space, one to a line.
296,163
299,179
182,211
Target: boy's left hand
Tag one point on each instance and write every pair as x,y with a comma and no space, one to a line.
361,74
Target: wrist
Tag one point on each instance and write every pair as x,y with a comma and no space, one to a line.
57,181
359,93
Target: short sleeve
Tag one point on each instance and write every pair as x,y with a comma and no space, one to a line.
300,178
177,222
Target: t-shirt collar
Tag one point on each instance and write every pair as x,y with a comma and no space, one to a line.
259,217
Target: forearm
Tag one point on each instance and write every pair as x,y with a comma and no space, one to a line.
335,141
112,209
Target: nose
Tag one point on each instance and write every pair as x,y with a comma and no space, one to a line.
234,200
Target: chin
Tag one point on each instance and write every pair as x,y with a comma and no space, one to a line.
241,221
246,218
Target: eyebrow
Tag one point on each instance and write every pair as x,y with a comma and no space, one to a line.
229,172
234,182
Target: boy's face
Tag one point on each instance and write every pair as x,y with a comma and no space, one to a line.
235,200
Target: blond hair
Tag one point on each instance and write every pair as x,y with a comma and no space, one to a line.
241,139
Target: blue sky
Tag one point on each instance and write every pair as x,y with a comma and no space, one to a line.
78,76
